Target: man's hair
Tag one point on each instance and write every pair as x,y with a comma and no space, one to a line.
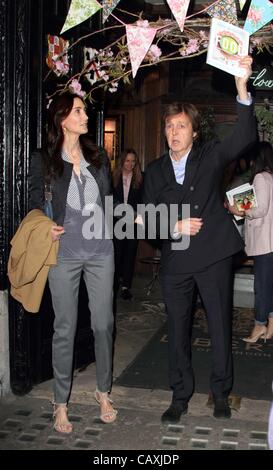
189,109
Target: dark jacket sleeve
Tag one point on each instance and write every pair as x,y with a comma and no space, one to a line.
152,231
36,182
244,134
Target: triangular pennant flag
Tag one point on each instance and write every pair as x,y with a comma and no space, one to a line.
179,10
224,10
242,3
79,11
139,39
108,7
260,13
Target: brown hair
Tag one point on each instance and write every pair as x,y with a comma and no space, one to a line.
189,109
59,109
137,175
263,160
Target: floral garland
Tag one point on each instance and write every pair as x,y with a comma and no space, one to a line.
106,68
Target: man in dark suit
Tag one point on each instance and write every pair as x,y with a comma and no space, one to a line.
190,174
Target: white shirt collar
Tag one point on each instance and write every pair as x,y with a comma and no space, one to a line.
182,158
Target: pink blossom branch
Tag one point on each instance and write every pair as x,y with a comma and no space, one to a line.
111,67
128,72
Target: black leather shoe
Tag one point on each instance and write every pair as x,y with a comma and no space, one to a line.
174,413
221,408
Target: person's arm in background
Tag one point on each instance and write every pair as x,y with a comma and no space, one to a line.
263,199
139,198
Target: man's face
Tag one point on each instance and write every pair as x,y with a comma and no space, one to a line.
179,134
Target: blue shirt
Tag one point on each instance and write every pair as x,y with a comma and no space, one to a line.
179,167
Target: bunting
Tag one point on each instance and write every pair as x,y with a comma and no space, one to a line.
179,9
57,58
260,13
224,10
139,39
79,11
108,7
242,3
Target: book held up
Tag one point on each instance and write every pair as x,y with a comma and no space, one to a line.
227,44
243,197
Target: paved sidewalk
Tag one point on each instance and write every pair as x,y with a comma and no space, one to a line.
26,422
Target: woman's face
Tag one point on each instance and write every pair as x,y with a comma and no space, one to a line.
76,122
129,162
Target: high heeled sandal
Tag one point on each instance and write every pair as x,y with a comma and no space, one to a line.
61,424
106,416
269,331
253,338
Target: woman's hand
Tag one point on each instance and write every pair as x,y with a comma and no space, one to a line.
56,232
233,210
139,220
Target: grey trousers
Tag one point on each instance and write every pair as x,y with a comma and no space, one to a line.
64,280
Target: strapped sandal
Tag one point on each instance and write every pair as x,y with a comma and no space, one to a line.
102,398
61,423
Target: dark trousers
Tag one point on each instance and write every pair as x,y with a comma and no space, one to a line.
215,287
125,256
263,287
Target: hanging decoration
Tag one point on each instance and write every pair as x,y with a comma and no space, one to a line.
108,7
224,10
92,65
139,39
260,13
79,11
242,3
179,9
141,43
57,59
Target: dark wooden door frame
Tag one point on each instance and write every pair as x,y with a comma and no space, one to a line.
24,24
19,18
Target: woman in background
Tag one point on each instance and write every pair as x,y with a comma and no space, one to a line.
259,241
127,182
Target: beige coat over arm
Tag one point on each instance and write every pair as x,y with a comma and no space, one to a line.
32,254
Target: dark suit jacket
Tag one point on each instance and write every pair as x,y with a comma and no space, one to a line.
134,198
60,185
134,195
218,237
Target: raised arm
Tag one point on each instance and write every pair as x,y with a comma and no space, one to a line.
241,82
244,132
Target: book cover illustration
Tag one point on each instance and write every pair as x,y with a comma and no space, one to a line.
243,197
227,44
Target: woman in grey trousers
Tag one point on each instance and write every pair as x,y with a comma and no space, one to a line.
79,178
